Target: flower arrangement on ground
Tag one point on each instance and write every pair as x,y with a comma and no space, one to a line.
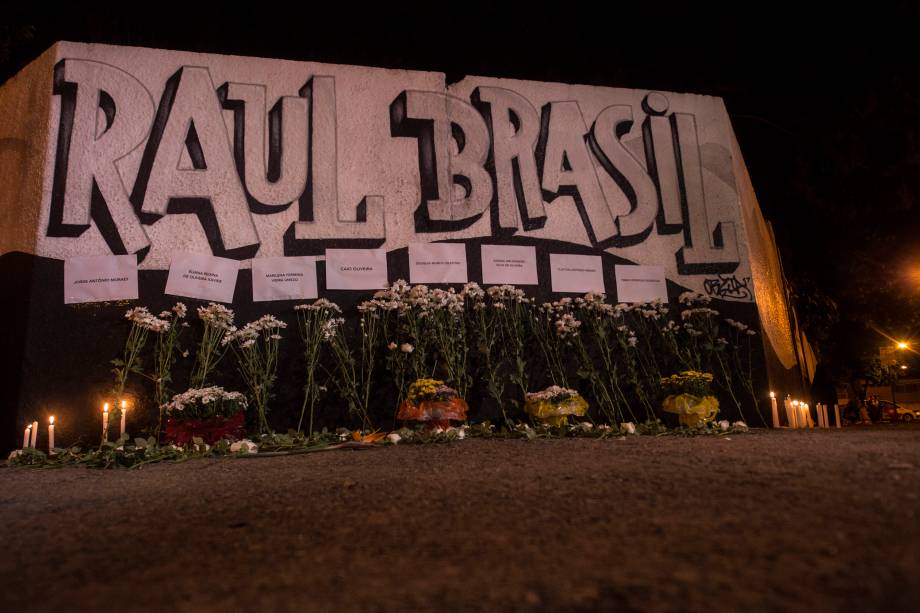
432,402
209,413
688,396
553,405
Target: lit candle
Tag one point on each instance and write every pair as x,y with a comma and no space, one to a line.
806,415
837,414
795,415
124,412
105,422
34,434
26,436
50,434
775,410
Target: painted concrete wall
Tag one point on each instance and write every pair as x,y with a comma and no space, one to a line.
154,151
125,150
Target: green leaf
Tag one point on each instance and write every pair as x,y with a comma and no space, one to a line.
140,443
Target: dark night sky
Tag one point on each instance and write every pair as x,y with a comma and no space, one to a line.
825,104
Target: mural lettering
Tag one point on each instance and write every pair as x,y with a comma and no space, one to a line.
494,154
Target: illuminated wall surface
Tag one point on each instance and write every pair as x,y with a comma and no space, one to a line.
120,150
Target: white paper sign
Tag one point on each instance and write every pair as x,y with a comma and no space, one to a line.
356,268
282,278
576,273
640,283
437,263
514,265
99,278
202,276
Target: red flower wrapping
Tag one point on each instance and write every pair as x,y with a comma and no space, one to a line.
211,430
438,413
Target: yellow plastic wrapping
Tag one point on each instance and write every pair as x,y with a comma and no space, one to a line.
556,414
691,410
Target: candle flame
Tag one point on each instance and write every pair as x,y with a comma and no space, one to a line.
105,408
124,404
772,395
51,420
29,427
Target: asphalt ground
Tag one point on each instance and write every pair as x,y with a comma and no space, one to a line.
766,521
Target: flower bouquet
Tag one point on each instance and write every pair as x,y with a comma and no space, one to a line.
430,401
208,413
553,405
688,396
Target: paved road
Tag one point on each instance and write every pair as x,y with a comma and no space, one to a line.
819,521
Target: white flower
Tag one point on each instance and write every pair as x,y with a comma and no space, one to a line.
204,395
15,454
216,315
567,326
142,318
552,394
393,437
406,348
245,446
690,298
392,346
740,425
461,433
632,341
628,427
319,305
185,353
724,425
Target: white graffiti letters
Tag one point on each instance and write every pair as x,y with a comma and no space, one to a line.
227,153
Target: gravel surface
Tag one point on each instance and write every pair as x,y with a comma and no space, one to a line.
816,521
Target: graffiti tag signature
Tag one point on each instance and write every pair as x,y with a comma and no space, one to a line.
729,287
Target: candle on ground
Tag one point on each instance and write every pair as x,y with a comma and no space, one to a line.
775,410
50,434
837,414
26,436
105,422
794,423
34,434
124,412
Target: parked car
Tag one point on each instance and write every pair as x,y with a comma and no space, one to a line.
895,412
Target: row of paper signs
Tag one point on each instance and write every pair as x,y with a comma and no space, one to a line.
114,277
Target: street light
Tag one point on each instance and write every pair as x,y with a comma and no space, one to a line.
902,345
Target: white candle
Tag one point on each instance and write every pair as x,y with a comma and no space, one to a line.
26,436
105,422
124,412
34,434
50,434
824,417
775,410
837,414
794,422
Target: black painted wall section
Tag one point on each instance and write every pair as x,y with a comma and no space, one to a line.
58,356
